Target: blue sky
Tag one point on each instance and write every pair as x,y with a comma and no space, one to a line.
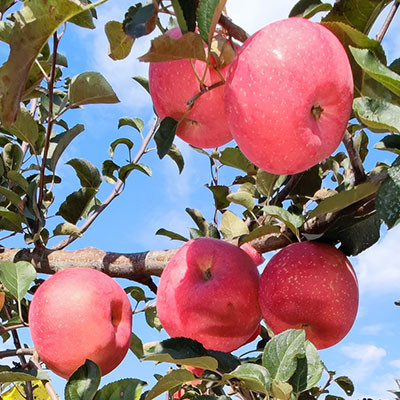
370,354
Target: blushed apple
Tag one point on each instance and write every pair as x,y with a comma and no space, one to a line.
2,298
173,83
79,314
288,95
209,292
253,253
310,286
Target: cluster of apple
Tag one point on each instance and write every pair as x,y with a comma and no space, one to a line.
211,291
286,100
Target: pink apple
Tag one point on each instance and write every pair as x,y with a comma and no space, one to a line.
253,253
2,298
288,95
209,292
310,286
173,83
79,314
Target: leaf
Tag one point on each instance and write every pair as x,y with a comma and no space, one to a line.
308,8
265,182
135,123
346,384
199,220
233,157
108,169
75,204
83,383
12,156
120,44
243,198
252,376
388,196
292,221
208,14
185,12
176,155
343,199
127,142
17,277
281,353
11,196
25,127
140,20
5,31
127,169
373,67
171,380
348,11
164,48
67,229
165,135
232,226
14,375
88,174
220,193
34,25
260,231
90,88
136,293
377,114
182,351
124,389
389,143
59,143
142,82
171,235
136,346
281,390
152,318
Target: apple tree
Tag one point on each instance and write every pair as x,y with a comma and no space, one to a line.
337,200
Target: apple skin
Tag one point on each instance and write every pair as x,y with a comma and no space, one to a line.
209,292
310,286
2,298
278,76
253,253
173,83
79,314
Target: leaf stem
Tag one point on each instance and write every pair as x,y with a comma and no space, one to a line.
388,21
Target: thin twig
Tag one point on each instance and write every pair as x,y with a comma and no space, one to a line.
293,181
388,21
232,29
355,159
4,329
17,352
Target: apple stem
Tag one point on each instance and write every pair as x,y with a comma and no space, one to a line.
316,111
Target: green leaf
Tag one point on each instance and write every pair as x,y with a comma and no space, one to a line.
220,193
348,11
346,384
14,375
208,14
388,196
14,220
165,135
260,231
243,198
136,293
343,199
281,354
152,318
171,235
11,196
18,179
281,390
265,182
164,48
252,376
140,20
88,174
84,382
75,204
232,226
25,127
127,169
135,123
127,142
171,380
308,8
34,25
292,221
373,67
90,88
67,229
199,220
12,156
5,31
17,277
185,12
120,44
59,143
196,233
389,143
124,389
108,169
181,351
176,155
377,114
143,82
233,157
136,346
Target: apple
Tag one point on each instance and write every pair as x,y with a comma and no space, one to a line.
310,286
2,298
79,314
209,292
253,253
288,95
173,83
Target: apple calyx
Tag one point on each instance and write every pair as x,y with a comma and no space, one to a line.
316,111
207,275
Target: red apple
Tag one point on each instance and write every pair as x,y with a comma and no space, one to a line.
310,286
2,298
288,95
209,292
253,253
173,83
79,314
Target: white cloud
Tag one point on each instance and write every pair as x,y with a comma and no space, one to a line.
372,330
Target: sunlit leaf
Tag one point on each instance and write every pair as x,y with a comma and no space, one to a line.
120,44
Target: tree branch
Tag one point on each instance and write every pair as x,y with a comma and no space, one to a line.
17,352
355,159
388,21
232,29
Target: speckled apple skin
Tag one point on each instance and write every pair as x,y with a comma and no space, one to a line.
221,312
79,314
278,75
173,83
311,286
